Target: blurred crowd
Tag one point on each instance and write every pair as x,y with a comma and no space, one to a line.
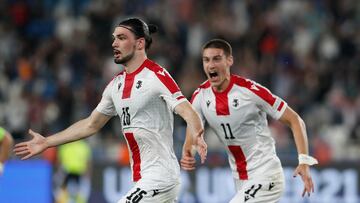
56,59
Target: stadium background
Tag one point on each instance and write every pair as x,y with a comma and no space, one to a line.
56,58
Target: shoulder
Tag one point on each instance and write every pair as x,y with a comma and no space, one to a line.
115,78
242,82
203,86
158,71
254,88
162,76
247,84
120,74
153,67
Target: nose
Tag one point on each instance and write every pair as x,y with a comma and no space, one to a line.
114,44
211,65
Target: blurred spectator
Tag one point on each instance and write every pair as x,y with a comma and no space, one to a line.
74,159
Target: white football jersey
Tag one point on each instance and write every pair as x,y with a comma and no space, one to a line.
145,101
238,117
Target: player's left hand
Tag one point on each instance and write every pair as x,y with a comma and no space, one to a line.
304,171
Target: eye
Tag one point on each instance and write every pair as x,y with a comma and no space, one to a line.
217,59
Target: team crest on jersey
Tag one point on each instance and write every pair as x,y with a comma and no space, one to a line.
235,103
138,84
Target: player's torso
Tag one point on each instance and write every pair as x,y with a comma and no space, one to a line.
242,127
137,100
147,124
236,124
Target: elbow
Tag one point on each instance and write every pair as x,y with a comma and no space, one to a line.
297,119
92,128
298,122
302,123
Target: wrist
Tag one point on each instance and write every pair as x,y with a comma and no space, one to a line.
193,150
47,143
306,159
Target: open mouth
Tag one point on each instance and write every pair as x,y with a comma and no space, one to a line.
116,53
213,74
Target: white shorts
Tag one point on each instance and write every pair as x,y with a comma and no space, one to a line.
138,194
268,190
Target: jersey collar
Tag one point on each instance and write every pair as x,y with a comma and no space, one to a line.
147,62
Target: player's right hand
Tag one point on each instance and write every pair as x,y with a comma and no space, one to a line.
32,147
187,161
201,148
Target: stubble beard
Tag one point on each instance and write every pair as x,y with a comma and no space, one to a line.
124,60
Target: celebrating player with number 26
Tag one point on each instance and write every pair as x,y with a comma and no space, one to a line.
144,96
235,109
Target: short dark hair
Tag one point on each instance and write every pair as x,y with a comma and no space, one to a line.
140,29
219,44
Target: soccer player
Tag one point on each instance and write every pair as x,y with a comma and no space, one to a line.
6,143
144,96
235,108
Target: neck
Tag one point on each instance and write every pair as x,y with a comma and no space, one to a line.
225,84
135,63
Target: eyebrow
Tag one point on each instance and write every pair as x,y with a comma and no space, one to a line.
118,35
216,56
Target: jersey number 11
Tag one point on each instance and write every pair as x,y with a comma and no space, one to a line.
225,132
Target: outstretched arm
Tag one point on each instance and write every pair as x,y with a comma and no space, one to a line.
297,125
79,130
194,130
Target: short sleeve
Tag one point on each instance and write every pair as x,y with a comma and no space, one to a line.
268,102
169,90
106,105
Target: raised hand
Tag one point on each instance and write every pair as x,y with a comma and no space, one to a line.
304,171
32,147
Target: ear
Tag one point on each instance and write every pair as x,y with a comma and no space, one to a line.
140,44
230,60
